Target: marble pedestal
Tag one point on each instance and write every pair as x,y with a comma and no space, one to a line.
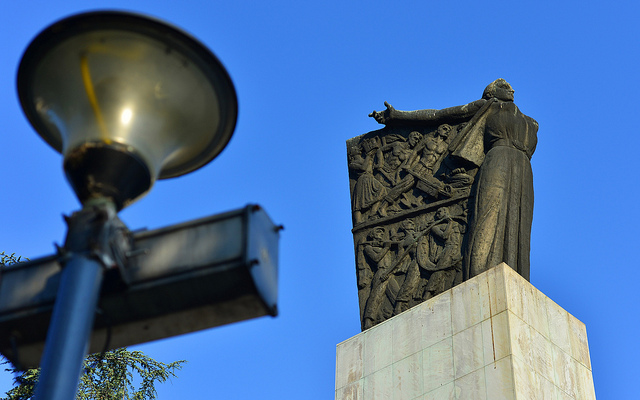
493,337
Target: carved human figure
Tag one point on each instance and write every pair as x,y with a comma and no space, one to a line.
424,155
366,264
440,254
436,256
396,149
368,191
409,259
435,145
407,263
409,158
501,210
379,259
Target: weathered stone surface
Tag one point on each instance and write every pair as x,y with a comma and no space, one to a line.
439,196
500,350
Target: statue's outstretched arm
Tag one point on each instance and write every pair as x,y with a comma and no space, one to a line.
391,116
376,254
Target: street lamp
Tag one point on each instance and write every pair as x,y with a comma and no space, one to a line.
127,100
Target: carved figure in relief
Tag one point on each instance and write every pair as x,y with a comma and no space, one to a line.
368,191
409,292
406,263
403,179
435,145
395,150
436,255
417,169
440,254
366,262
500,140
378,257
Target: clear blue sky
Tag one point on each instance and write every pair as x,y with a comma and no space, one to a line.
307,74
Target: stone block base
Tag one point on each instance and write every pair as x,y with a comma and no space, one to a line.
492,337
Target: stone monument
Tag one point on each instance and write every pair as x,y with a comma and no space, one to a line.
438,197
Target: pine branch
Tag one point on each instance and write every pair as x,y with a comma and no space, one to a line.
108,376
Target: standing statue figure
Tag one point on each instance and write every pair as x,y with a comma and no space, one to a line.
501,208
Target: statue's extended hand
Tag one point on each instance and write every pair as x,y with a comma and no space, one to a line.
383,117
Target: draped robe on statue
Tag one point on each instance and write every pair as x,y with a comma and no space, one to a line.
501,211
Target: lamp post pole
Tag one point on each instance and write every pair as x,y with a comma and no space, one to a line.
88,249
71,322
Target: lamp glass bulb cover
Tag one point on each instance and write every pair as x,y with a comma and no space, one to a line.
127,100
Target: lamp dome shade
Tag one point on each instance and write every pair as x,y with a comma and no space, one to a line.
127,100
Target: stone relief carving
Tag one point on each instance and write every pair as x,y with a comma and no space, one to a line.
439,196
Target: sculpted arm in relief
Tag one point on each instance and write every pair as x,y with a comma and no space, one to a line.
391,116
377,253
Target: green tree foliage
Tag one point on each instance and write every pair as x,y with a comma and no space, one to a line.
113,375
118,374
8,259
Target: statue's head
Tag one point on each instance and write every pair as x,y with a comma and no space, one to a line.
443,130
409,225
499,89
377,233
414,138
353,152
443,212
369,144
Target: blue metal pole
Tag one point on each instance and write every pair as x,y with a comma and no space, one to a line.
70,328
